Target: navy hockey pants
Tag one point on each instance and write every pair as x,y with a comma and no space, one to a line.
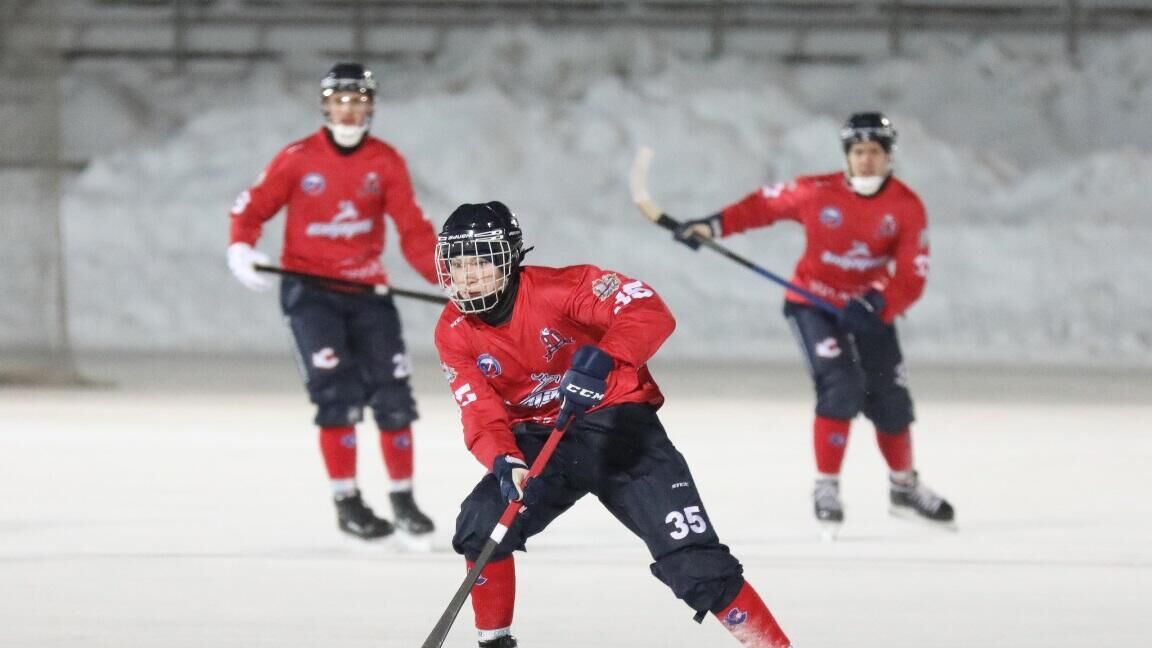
350,353
853,374
623,456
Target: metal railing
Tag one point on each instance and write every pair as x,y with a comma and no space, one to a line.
180,21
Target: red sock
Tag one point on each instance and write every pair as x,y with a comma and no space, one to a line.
338,445
896,448
749,620
494,594
397,448
830,439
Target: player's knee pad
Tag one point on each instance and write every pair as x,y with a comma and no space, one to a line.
840,396
338,414
891,411
706,577
393,406
478,516
336,390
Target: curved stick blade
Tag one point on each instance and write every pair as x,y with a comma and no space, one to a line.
638,183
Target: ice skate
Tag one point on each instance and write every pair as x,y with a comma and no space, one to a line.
356,519
507,641
415,527
408,517
912,500
827,506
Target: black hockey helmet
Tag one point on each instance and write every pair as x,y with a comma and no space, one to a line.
348,77
868,127
478,254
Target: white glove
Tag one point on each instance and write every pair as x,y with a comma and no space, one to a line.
242,259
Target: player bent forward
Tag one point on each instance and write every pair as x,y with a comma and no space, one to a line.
526,348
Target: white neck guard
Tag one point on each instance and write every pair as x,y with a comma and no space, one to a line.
866,185
347,136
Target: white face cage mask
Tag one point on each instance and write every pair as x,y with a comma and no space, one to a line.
348,135
474,271
869,134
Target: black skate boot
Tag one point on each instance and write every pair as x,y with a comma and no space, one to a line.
912,499
408,517
507,641
826,504
355,518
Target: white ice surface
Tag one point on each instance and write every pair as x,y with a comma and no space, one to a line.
163,513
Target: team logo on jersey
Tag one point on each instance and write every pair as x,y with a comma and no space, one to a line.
371,183
489,366
544,392
831,217
552,341
858,258
480,580
313,184
736,616
887,226
606,286
345,224
828,348
449,372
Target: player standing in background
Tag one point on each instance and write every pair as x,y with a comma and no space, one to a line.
866,251
525,349
338,183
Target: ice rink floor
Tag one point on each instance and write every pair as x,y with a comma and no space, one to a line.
184,504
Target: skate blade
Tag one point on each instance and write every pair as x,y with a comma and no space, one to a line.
912,516
353,543
405,541
829,531
398,542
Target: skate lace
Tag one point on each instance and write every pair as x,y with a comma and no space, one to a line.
925,498
827,494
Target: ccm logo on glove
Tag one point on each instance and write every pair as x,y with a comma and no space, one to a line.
584,384
576,390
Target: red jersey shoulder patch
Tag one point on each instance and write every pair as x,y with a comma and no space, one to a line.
606,286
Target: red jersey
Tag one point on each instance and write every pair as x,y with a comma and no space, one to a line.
853,242
508,374
336,206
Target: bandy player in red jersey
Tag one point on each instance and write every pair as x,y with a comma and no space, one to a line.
527,348
867,252
338,184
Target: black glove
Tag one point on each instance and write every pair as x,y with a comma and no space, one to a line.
512,473
583,385
861,315
684,231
